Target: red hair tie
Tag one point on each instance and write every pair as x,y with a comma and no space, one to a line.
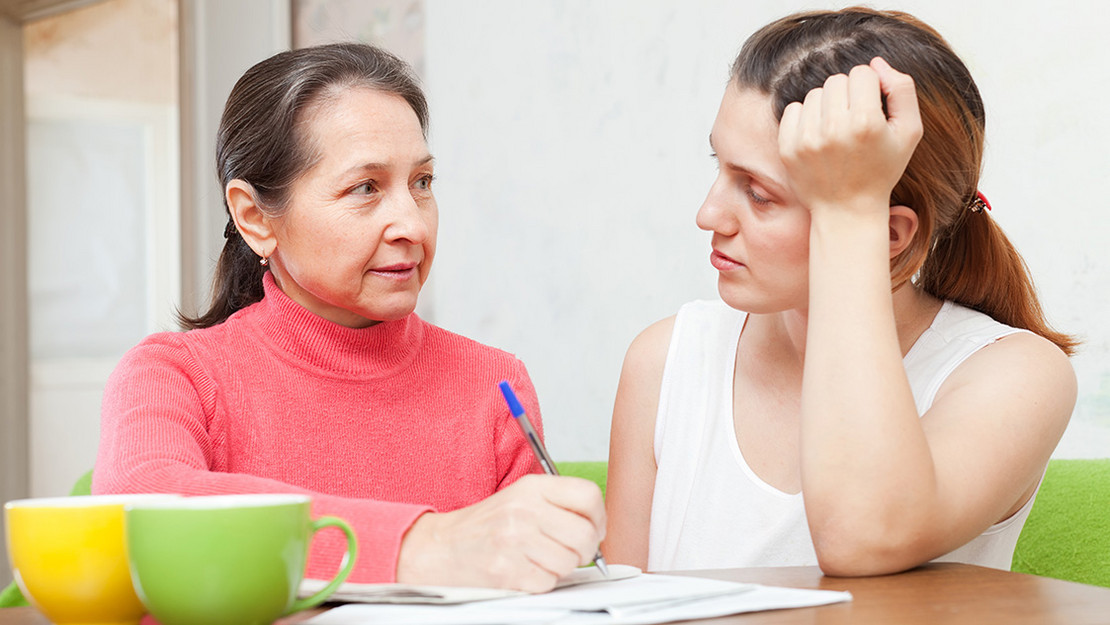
979,203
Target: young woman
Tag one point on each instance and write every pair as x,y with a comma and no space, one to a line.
879,387
310,372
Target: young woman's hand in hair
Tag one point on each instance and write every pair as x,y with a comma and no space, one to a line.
841,149
524,537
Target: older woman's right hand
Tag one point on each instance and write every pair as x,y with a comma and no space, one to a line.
524,537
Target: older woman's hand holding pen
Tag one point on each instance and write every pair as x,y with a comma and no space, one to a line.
538,449
523,538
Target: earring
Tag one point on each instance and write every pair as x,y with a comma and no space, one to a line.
264,262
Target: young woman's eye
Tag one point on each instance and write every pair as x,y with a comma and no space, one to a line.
755,197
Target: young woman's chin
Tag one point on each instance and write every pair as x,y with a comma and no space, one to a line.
755,303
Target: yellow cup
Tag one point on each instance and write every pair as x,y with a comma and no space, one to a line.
69,557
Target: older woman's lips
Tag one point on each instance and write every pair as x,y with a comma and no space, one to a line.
400,271
723,263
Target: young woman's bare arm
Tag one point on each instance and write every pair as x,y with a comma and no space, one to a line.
631,447
885,489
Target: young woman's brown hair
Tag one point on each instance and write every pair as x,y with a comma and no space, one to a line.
259,142
959,253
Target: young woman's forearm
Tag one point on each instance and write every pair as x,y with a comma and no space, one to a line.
867,473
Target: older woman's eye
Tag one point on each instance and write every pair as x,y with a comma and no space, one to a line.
424,183
365,188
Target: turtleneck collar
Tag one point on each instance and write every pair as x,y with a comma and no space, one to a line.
330,347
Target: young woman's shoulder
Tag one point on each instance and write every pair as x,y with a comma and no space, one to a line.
653,343
649,348
1006,361
642,373
1023,366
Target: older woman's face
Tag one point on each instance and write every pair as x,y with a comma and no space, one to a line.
357,241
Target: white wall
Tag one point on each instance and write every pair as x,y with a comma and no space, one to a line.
572,154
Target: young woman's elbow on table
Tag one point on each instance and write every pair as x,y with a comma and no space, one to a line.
858,548
851,556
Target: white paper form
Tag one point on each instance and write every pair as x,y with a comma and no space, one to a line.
642,600
445,595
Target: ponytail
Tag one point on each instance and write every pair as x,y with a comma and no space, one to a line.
236,284
974,264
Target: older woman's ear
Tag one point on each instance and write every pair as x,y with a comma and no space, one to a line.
253,224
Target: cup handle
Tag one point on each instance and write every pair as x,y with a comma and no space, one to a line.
345,565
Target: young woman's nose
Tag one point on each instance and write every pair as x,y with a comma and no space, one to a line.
714,214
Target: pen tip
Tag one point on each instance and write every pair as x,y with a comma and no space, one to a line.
510,399
602,565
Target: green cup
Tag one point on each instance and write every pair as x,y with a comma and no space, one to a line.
226,559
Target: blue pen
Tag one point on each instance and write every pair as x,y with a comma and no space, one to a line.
539,450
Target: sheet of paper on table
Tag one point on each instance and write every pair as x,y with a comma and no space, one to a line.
413,593
638,600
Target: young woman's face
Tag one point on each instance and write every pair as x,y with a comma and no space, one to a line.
760,232
358,238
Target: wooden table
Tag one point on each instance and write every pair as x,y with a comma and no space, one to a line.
935,594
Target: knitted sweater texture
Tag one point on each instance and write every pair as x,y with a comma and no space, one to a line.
378,425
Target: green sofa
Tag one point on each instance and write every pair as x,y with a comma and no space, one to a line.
597,472
1067,535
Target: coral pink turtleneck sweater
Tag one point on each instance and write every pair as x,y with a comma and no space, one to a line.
378,425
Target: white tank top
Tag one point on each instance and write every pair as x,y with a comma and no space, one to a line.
710,510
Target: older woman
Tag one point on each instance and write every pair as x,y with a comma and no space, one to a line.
311,373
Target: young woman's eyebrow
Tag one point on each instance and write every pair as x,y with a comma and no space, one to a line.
751,172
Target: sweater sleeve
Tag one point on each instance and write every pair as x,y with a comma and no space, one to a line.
155,437
514,455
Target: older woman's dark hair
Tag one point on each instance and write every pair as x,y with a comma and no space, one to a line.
262,141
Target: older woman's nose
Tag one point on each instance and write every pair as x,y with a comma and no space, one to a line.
410,219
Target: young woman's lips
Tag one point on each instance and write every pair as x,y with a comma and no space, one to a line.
723,263
399,271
